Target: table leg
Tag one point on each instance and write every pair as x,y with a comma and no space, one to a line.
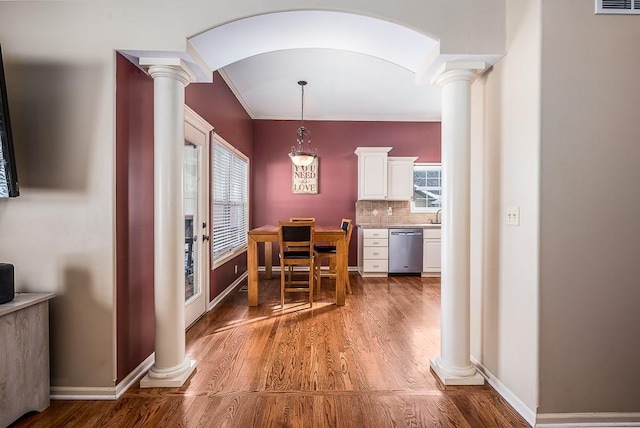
252,268
268,257
341,269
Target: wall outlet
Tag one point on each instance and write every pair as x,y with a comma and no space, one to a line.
390,211
513,216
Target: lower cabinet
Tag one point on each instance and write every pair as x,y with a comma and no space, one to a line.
431,257
373,252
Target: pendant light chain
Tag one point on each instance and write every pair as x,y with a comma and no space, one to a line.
302,109
301,155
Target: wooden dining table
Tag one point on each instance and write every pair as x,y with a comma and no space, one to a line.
269,234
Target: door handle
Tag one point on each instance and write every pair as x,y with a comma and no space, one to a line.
205,238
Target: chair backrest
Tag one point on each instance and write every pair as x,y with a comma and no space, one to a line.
295,234
347,225
312,219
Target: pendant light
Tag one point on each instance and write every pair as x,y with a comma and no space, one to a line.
300,155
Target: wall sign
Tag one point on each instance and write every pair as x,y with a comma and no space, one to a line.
304,179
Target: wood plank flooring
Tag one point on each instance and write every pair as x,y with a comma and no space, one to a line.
365,364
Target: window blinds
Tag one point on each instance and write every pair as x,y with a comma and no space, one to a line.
230,201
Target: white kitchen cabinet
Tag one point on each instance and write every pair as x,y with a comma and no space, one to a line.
372,173
431,255
400,178
373,252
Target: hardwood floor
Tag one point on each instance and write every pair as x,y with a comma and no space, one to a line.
365,364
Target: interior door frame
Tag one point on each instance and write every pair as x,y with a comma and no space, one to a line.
198,131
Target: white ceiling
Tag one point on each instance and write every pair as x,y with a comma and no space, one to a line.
357,68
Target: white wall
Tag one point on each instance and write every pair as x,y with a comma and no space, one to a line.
505,173
590,211
60,68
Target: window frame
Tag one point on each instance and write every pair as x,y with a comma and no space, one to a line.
434,165
240,247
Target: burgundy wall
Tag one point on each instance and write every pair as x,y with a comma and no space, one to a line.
272,199
134,200
134,217
219,106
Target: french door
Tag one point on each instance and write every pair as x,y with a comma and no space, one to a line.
196,216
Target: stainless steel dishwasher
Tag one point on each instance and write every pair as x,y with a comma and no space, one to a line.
405,250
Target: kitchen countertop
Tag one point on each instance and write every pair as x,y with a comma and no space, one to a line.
389,226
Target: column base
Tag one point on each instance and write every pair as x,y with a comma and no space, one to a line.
156,378
448,378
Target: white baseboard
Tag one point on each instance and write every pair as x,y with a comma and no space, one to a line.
212,304
102,393
519,406
558,420
599,420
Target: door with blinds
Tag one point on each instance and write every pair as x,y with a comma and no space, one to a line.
196,215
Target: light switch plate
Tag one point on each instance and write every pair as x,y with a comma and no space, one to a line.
513,216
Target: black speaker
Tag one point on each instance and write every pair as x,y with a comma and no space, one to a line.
7,291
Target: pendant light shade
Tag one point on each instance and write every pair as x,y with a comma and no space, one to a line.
302,154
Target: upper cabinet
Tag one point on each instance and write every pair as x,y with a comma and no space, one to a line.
372,172
381,177
400,178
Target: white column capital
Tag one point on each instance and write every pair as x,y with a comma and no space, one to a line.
463,71
171,71
464,75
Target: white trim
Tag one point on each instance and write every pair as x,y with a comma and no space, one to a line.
236,92
103,393
425,210
603,419
194,119
197,131
215,302
511,398
229,146
224,259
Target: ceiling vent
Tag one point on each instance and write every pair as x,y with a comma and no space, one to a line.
618,7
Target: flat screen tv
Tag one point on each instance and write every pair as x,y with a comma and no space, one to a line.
8,176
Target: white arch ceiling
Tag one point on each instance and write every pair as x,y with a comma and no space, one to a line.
358,67
260,34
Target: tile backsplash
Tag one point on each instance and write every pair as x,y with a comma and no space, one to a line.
376,213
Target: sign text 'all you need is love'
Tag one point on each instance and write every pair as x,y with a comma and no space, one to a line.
304,179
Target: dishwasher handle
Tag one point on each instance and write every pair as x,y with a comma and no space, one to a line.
406,233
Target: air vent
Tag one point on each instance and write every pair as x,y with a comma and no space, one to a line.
618,7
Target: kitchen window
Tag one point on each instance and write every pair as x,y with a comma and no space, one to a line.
230,206
427,188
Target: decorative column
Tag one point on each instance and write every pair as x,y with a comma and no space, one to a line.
453,366
171,368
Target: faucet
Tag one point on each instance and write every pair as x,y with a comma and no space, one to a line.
437,219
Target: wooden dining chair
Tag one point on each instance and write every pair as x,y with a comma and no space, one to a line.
296,250
330,253
311,219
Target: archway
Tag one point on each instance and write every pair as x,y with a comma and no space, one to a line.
262,35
